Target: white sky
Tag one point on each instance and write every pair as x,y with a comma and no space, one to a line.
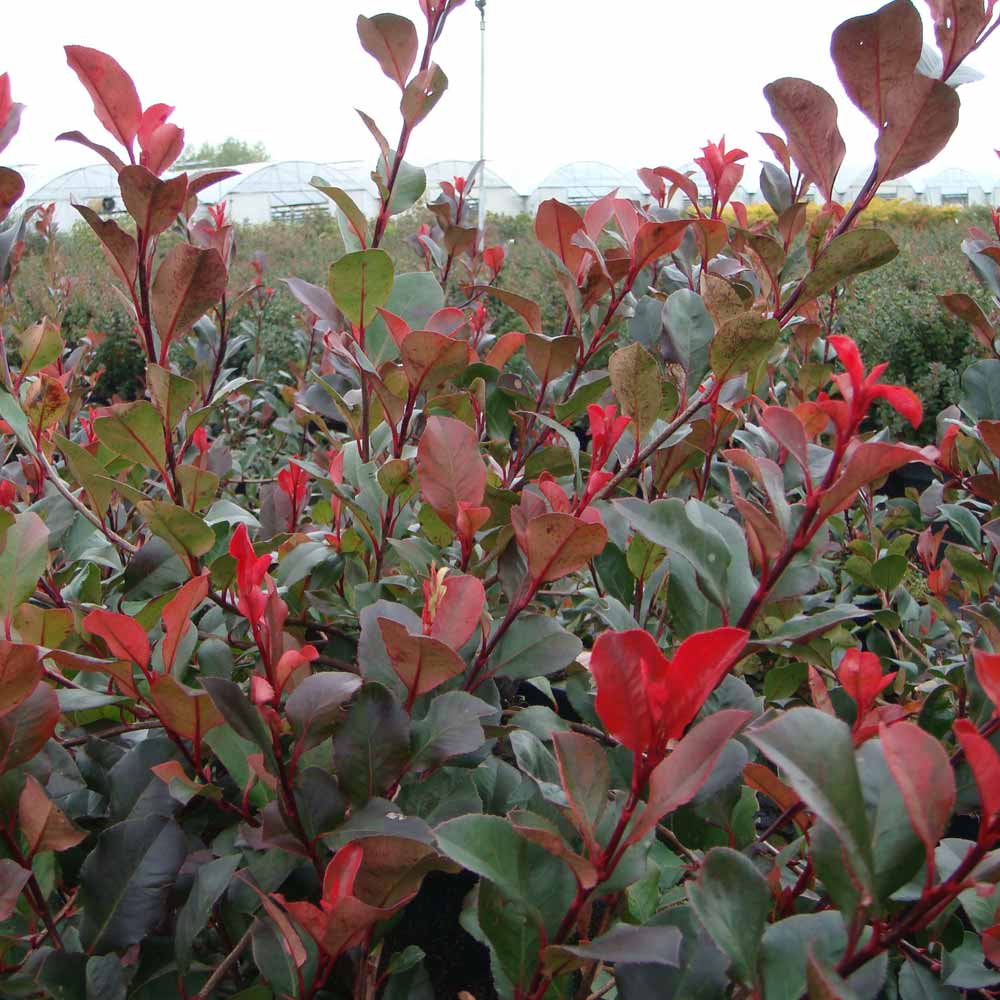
631,82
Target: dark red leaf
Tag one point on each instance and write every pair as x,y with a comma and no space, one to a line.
876,52
921,117
808,114
392,40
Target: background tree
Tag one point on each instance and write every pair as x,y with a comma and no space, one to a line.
228,153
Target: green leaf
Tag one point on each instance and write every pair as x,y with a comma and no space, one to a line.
534,646
668,524
372,747
134,431
802,627
88,472
651,945
125,882
689,331
360,284
172,394
411,183
23,559
918,983
732,900
186,533
40,345
522,871
816,753
240,713
981,389
888,571
635,380
450,727
742,343
210,882
785,949
851,253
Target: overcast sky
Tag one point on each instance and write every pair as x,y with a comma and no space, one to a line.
631,82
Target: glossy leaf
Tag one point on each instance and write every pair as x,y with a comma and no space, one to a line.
392,41
116,102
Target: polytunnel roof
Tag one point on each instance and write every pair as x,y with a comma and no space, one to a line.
953,180
446,170
80,184
588,179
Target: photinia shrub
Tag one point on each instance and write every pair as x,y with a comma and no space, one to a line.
616,659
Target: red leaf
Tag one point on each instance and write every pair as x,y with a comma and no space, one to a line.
154,204
120,246
450,468
421,662
187,284
904,401
676,780
13,878
503,350
921,116
112,158
163,147
20,672
787,429
525,308
559,544
116,102
459,610
957,26
392,40
643,698
808,114
177,616
876,52
860,675
698,665
923,774
27,729
991,944
124,636
655,239
11,188
341,872
555,224
988,674
429,359
985,766
871,460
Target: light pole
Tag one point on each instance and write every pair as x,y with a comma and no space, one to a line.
481,225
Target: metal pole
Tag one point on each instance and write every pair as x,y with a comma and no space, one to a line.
481,4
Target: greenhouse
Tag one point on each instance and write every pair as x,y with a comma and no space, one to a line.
282,191
501,197
954,186
95,186
583,182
